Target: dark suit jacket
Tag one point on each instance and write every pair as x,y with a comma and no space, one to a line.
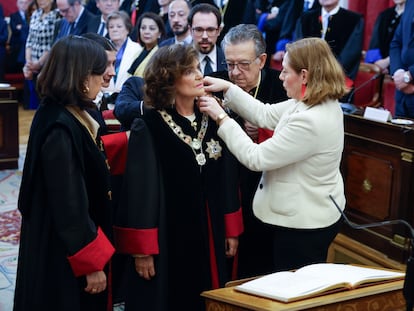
81,27
402,57
18,37
345,36
221,65
94,23
167,42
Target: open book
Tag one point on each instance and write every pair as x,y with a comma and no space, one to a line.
314,280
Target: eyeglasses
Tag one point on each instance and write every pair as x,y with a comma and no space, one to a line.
242,66
65,11
199,31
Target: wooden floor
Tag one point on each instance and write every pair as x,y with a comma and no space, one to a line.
25,120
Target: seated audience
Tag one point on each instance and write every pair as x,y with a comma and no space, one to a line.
150,28
382,34
98,22
119,27
341,28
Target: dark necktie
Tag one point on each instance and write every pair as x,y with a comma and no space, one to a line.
102,29
71,28
207,68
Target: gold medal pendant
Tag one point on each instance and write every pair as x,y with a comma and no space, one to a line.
214,149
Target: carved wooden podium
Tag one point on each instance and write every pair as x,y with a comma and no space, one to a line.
378,172
380,297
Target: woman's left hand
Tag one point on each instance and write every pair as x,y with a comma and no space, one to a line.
232,245
210,105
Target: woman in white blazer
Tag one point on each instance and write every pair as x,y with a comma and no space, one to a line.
119,27
301,162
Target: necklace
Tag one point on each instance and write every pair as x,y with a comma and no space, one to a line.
194,143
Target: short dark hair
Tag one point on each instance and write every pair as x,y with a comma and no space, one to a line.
101,40
156,18
205,8
71,60
165,67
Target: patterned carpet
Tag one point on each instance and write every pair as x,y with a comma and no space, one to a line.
9,231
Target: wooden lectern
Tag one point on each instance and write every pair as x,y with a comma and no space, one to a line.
379,297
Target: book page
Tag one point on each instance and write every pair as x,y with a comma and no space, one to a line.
312,280
354,275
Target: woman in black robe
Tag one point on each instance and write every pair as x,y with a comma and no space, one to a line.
64,196
179,215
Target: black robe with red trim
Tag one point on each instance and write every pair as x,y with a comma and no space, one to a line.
64,200
177,211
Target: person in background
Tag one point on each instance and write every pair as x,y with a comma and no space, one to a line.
151,30
341,28
204,21
382,34
75,18
402,63
184,181
98,22
109,73
178,19
164,4
38,45
298,179
64,197
19,26
4,36
245,51
119,27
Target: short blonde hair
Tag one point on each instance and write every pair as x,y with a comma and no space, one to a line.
326,77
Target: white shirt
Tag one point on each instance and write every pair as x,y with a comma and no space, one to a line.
213,59
325,18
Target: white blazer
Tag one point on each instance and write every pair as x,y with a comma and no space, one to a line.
300,162
131,52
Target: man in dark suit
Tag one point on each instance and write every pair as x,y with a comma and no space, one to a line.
402,63
178,18
341,28
279,24
19,25
205,23
97,24
245,52
75,18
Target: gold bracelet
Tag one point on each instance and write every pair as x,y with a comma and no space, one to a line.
221,117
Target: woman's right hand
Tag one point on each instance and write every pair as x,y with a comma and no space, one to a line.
144,265
212,85
95,282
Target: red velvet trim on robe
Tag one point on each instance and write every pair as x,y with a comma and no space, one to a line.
263,134
234,224
213,260
93,257
136,241
116,148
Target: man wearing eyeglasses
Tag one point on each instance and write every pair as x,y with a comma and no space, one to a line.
75,18
245,51
178,18
204,21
